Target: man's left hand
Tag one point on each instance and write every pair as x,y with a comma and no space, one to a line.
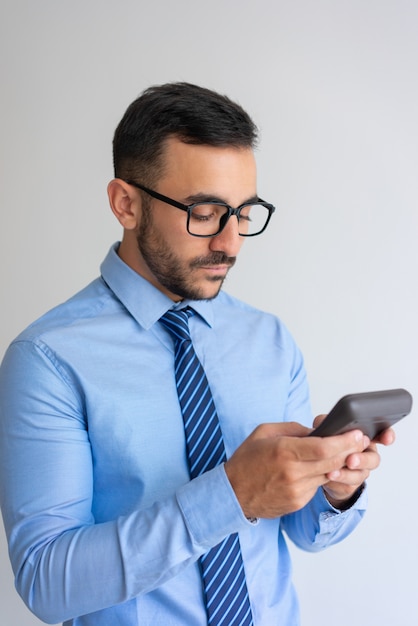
344,483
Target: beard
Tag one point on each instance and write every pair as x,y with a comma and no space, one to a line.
173,273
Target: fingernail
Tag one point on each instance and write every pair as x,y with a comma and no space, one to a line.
334,475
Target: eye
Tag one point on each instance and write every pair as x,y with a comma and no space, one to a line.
207,212
245,213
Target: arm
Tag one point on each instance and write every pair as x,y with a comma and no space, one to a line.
314,484
65,564
340,504
319,525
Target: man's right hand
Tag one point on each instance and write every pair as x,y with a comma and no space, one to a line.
278,469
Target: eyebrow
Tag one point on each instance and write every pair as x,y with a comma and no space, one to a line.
205,197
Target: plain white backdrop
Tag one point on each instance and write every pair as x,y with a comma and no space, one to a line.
333,87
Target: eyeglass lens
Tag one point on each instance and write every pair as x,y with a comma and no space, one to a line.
207,219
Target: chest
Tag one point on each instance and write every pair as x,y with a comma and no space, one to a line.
134,419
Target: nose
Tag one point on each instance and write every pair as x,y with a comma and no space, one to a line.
228,240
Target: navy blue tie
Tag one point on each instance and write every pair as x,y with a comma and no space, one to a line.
227,601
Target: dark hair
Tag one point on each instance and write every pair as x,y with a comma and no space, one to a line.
193,114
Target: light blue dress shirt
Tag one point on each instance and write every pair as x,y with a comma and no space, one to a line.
103,523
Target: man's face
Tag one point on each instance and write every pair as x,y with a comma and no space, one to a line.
180,265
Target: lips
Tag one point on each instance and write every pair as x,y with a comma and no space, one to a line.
216,262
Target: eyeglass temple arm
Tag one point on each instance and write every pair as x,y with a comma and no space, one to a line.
159,196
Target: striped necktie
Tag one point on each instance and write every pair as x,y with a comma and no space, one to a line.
227,601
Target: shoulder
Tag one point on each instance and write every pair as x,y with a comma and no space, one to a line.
245,318
93,301
64,338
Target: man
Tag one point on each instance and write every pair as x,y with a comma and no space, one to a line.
107,522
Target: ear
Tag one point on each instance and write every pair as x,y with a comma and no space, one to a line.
125,203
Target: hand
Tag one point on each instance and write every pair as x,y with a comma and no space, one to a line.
343,483
278,469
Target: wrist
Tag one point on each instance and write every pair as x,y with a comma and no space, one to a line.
346,503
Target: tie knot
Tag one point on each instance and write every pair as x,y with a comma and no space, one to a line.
177,323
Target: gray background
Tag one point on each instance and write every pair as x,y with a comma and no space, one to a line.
333,87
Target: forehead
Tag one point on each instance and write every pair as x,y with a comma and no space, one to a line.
223,171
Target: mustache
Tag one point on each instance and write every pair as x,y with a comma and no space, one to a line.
216,258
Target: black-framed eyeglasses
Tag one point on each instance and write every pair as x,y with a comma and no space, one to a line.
209,218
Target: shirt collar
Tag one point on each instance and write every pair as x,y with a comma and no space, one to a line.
144,302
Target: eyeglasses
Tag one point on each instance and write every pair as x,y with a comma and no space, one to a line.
207,219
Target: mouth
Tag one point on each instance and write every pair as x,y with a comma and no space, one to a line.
217,264
215,273
217,269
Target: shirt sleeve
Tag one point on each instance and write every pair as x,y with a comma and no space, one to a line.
65,564
319,525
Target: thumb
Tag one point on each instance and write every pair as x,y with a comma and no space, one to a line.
318,420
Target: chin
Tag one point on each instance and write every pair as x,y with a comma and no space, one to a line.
203,293
210,294
202,290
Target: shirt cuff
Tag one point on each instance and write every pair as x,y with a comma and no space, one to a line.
210,508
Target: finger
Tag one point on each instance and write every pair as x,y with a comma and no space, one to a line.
344,444
347,477
326,456
386,437
367,460
318,420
